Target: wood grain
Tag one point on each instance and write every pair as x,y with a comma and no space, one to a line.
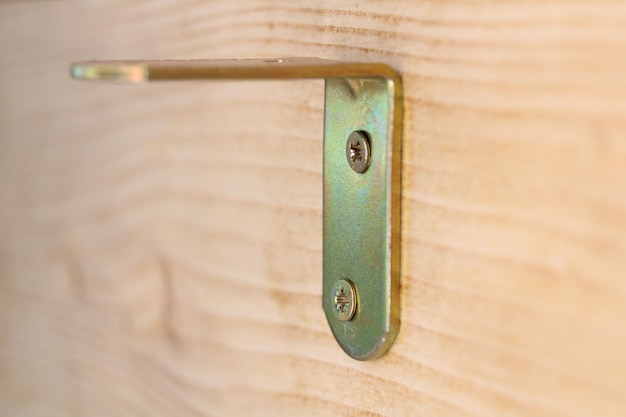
160,246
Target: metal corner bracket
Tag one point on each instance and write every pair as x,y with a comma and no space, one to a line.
362,168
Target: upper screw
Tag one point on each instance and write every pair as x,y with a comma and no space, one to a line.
344,299
358,151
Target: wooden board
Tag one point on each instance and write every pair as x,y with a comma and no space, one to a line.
160,246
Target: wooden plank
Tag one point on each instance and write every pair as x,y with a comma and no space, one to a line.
160,246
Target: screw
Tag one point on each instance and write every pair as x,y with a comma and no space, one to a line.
358,151
344,298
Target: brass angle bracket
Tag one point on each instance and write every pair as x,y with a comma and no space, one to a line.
362,166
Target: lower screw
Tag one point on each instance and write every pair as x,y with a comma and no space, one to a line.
344,299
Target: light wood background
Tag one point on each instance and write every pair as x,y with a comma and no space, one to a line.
160,245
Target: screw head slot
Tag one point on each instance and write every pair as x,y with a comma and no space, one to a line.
344,299
358,152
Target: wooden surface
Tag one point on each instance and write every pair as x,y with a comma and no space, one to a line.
160,246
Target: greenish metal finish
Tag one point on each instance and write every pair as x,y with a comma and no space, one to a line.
361,203
362,213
